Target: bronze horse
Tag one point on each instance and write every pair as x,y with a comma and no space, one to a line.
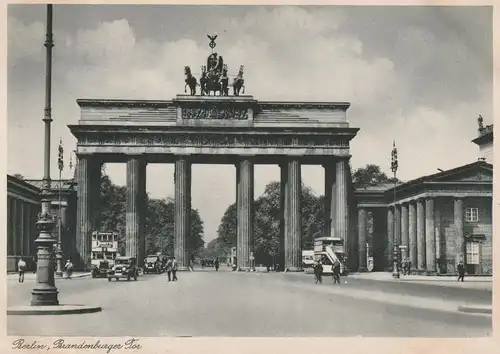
190,81
239,83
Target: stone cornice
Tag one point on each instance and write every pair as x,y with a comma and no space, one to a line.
184,100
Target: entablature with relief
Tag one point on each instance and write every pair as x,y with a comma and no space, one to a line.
207,139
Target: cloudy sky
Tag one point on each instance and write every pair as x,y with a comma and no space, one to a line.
419,75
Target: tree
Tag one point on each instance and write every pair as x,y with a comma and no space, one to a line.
159,220
267,222
370,175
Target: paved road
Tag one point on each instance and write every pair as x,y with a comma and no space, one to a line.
234,304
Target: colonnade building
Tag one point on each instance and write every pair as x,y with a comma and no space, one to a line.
435,220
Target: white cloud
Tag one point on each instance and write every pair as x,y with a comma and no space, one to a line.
288,53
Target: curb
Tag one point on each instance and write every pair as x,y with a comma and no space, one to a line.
52,310
476,309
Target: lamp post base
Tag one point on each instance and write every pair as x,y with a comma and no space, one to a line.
44,297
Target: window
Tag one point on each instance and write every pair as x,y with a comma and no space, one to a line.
473,252
471,215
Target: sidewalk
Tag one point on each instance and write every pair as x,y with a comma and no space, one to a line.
30,276
484,283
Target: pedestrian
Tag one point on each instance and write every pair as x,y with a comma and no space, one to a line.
408,265
169,269
216,263
405,266
69,268
174,269
461,271
336,272
21,267
202,262
318,272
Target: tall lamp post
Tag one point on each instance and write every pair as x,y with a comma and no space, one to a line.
59,255
394,168
45,292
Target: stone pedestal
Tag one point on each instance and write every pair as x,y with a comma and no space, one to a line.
330,195
412,226
135,209
362,218
430,236
182,211
421,251
293,218
244,198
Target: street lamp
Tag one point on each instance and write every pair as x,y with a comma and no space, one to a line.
59,255
394,168
45,292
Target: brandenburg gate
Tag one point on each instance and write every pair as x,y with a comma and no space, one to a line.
213,129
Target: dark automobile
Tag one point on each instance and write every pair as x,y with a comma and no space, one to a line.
101,270
153,264
125,267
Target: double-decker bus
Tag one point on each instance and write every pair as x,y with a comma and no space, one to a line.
104,247
329,250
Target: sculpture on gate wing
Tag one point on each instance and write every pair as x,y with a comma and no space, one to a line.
214,76
239,83
190,81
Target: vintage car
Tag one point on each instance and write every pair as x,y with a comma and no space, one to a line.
100,270
125,267
153,264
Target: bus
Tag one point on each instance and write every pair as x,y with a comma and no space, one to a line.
328,250
104,247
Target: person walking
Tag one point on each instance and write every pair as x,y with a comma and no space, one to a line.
216,264
21,267
461,271
34,264
69,268
174,269
168,267
336,272
318,272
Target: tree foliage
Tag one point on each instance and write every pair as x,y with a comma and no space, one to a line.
370,175
267,221
159,223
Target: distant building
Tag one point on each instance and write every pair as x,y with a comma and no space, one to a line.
23,207
436,220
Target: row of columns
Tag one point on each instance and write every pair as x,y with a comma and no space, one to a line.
21,226
337,214
414,224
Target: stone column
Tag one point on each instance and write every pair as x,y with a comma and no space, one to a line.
135,214
405,230
390,237
397,229
380,241
430,236
293,219
64,235
27,229
342,207
421,248
10,228
182,177
437,223
458,221
412,226
330,198
362,221
84,218
245,171
283,209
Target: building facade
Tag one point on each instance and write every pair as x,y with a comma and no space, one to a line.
435,220
23,207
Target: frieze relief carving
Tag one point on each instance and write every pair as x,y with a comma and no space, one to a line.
213,140
214,112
